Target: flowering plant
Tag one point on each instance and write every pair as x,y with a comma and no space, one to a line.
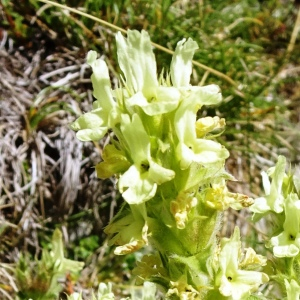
281,205
170,172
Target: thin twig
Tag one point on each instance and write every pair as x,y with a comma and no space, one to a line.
294,35
243,19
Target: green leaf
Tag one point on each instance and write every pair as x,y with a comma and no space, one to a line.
114,162
64,265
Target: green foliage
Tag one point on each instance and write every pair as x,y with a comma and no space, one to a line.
86,247
38,279
34,278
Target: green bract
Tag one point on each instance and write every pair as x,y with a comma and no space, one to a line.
114,162
40,279
129,229
293,289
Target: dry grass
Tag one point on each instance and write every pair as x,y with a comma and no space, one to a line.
47,174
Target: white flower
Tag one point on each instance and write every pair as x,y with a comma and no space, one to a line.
138,64
273,200
190,148
287,243
232,281
92,126
139,182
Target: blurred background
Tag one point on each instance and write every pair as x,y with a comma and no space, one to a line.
47,177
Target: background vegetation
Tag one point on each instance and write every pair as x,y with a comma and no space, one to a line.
47,178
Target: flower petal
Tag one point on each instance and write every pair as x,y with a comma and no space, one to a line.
201,151
242,284
204,95
101,82
273,200
190,148
284,246
285,250
137,61
159,174
275,197
233,282
136,187
91,126
165,100
266,183
181,65
136,137
260,206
